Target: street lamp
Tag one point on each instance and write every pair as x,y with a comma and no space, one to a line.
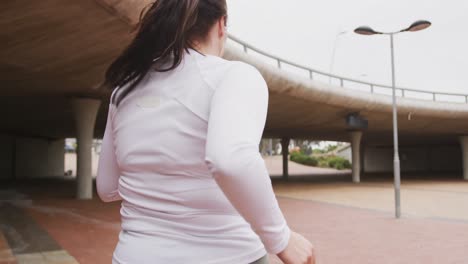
365,30
332,61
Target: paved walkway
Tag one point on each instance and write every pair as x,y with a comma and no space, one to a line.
275,168
434,199
347,223
88,231
22,239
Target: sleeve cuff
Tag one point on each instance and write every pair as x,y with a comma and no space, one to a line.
283,243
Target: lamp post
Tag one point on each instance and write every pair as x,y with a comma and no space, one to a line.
365,30
332,61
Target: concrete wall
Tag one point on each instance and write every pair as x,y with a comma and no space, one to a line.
39,157
446,158
70,163
6,156
414,159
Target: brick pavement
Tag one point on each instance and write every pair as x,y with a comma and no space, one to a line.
347,223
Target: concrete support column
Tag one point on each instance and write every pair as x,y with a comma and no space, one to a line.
285,152
85,111
362,150
356,155
270,146
464,146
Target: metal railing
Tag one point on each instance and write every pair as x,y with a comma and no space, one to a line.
401,92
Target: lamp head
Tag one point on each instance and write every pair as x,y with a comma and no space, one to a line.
418,25
366,30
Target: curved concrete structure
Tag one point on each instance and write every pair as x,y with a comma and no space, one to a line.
59,49
55,50
300,107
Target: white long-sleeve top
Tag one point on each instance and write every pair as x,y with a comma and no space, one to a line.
181,152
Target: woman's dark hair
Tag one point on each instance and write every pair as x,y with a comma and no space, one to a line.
165,32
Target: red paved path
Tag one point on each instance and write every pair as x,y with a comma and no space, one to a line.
88,231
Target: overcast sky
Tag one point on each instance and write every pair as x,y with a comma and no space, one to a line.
305,32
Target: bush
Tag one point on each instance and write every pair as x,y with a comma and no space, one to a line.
318,151
339,163
335,162
323,162
331,148
301,158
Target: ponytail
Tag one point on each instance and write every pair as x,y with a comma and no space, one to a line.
165,32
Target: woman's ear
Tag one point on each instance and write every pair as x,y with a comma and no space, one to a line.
222,30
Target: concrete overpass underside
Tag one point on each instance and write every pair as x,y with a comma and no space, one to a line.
53,54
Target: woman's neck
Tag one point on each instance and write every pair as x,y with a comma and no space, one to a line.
206,49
